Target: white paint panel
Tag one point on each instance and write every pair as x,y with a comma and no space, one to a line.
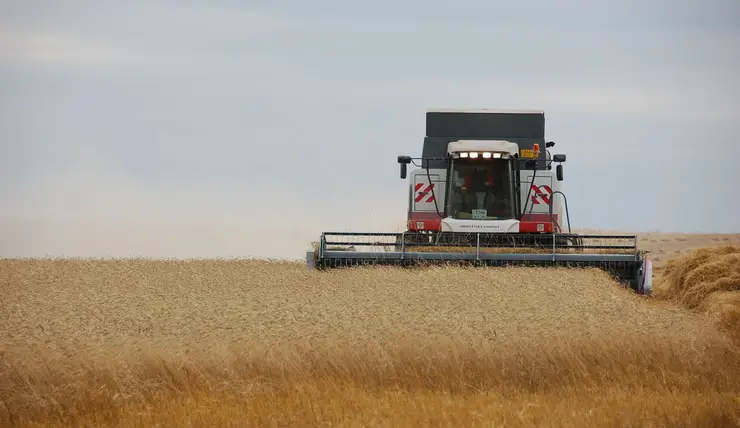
482,226
541,191
422,197
483,146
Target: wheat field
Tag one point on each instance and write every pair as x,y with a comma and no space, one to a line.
268,343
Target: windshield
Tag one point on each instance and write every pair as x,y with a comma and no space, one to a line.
480,189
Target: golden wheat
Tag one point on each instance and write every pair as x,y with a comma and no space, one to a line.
140,342
708,280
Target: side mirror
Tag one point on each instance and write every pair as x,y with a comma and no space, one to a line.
558,158
559,172
404,161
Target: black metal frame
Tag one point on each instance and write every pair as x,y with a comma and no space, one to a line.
625,265
484,240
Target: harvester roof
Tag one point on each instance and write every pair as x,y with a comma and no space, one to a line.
525,128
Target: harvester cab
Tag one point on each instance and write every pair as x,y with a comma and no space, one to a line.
484,192
485,185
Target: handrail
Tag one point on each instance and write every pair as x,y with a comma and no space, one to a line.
475,241
565,198
403,245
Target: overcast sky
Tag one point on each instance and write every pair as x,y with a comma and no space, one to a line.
227,129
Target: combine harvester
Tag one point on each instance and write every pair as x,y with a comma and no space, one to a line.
484,193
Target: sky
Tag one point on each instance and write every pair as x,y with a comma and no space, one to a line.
244,129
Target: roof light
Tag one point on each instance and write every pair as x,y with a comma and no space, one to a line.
473,155
497,155
486,155
463,154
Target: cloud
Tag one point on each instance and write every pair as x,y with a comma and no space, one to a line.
597,98
132,34
47,48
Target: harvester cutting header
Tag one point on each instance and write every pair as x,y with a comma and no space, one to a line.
487,191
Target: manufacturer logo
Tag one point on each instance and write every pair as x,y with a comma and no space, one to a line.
480,226
543,192
420,194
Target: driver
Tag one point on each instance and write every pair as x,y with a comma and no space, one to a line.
476,189
480,181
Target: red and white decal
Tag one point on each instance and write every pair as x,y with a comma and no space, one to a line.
422,192
543,192
426,193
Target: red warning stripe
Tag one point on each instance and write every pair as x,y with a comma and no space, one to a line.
421,194
545,196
